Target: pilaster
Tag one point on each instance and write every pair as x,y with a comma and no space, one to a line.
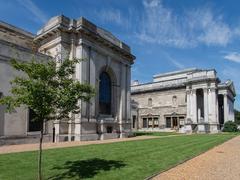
225,107
188,92
205,91
194,106
57,130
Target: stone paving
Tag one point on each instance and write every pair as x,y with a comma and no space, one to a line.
219,163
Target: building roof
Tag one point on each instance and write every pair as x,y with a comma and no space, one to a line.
66,24
176,72
175,79
228,85
16,29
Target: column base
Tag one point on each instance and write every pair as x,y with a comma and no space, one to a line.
214,128
105,136
89,137
203,128
189,128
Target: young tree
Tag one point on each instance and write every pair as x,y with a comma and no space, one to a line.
49,90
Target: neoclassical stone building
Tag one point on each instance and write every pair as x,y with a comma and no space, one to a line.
191,100
106,66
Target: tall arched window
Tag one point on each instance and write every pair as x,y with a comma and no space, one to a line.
105,93
174,101
149,101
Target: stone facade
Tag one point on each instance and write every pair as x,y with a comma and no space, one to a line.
102,55
191,100
18,44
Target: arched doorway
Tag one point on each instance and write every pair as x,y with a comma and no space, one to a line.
105,93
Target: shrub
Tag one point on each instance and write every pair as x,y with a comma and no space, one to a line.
230,127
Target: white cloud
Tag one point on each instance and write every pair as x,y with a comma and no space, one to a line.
34,10
207,28
151,3
163,26
175,62
159,25
111,15
233,56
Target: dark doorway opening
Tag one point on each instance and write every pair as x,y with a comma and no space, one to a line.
33,125
134,121
109,129
220,110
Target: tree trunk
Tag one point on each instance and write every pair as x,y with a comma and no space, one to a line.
40,156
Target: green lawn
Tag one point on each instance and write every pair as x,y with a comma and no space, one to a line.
123,160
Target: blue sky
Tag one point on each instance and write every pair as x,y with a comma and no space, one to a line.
164,35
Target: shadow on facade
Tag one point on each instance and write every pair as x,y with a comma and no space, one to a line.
85,168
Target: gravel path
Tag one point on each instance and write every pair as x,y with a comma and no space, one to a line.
32,147
219,163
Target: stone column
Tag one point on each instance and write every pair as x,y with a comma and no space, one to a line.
70,129
214,105
128,99
213,121
122,98
102,129
92,81
72,55
77,117
188,104
77,129
194,106
205,105
57,130
225,99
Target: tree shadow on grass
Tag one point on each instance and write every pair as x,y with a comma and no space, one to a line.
85,168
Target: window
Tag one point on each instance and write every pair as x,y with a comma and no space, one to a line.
109,129
155,123
105,94
149,101
144,122
33,125
133,121
181,120
150,123
168,122
174,101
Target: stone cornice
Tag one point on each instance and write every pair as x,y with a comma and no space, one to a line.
64,24
10,45
140,91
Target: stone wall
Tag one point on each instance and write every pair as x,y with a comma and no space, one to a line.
163,104
18,44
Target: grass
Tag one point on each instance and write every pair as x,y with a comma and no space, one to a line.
122,160
143,133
